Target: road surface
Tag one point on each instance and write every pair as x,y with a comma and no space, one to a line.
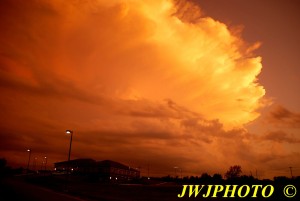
16,190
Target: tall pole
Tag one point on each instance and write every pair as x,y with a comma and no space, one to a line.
69,132
68,165
45,163
29,151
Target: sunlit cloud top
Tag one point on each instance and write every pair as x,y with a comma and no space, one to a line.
152,50
129,75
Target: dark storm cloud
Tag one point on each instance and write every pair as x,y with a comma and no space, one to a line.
282,116
281,137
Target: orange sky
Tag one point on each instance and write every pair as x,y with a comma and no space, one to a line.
165,83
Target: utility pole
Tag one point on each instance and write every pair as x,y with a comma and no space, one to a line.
291,172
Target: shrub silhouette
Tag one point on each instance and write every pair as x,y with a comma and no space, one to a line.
234,172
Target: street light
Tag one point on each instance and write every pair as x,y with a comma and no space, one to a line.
45,163
29,151
68,165
69,132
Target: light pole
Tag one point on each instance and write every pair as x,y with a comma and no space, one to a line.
45,163
29,151
68,165
69,132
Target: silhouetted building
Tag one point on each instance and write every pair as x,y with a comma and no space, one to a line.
80,166
105,170
116,171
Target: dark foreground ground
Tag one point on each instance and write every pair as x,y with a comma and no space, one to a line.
54,188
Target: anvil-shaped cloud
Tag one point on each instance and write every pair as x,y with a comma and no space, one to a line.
134,79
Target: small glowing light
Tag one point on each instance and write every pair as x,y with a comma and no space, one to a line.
116,178
55,169
148,177
109,177
28,150
72,169
69,131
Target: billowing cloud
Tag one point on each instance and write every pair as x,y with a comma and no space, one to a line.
141,82
128,50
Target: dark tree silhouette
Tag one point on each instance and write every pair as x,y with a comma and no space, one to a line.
234,172
217,177
205,176
2,167
2,163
